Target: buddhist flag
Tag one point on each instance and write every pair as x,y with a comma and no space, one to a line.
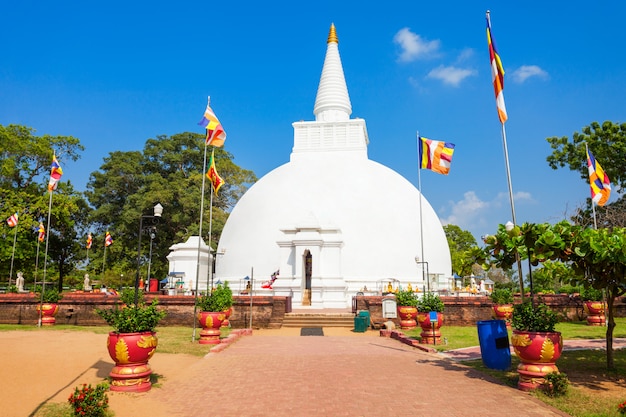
42,232
215,134
89,241
435,155
497,73
599,181
55,174
12,221
108,240
212,174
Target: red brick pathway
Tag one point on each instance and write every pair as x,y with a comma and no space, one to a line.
282,376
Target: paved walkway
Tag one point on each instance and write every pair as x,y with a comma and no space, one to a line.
337,375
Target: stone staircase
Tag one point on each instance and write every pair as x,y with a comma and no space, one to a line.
317,319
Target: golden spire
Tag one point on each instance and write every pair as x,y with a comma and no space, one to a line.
332,35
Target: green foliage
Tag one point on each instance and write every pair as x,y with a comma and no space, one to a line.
220,299
430,302
406,298
90,401
129,318
501,296
530,318
590,294
460,243
50,295
556,384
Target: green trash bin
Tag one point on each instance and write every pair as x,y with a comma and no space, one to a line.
359,324
366,316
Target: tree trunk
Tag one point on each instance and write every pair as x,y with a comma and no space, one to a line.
610,325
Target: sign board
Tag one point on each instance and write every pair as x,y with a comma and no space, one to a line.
390,308
433,316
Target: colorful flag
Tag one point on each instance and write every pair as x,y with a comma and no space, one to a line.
108,240
213,176
42,232
435,155
599,181
215,134
12,221
55,174
497,73
89,241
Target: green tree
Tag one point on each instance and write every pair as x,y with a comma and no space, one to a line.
597,258
459,242
169,172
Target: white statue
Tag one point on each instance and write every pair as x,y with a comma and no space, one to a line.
20,282
86,283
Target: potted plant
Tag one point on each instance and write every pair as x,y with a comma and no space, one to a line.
502,299
133,340
536,342
594,306
430,303
49,306
213,311
406,302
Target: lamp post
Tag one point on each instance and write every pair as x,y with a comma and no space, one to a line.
152,236
158,210
427,279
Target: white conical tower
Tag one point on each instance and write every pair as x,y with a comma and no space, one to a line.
332,102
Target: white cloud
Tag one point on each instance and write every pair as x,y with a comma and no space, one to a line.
450,75
527,71
465,54
413,46
465,211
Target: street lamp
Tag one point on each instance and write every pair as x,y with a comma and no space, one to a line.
158,210
427,279
152,236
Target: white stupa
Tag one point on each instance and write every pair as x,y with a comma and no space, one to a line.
330,220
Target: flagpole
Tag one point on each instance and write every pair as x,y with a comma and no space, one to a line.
210,230
37,260
104,260
45,263
13,253
419,185
195,307
593,206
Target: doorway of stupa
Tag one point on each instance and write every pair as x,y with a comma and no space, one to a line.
308,271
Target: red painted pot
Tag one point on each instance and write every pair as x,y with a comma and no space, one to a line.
538,353
48,311
503,312
429,335
595,313
131,353
227,313
408,316
210,321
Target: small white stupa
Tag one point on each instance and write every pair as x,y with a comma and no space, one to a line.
331,221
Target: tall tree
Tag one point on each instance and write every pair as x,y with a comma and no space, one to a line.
459,242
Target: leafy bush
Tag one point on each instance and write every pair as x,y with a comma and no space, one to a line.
591,294
530,318
406,298
501,296
89,401
50,295
129,318
220,299
556,384
430,302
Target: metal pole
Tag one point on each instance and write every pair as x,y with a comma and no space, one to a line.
251,286
138,262
150,256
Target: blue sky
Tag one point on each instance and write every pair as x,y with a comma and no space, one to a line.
115,74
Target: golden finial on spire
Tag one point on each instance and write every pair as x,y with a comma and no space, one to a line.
332,35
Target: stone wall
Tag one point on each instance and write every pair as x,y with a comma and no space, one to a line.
78,309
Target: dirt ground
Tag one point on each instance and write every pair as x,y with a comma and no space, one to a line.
43,367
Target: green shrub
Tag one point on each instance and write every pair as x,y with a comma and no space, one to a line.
131,318
530,318
556,384
590,294
406,298
220,299
430,302
89,401
501,296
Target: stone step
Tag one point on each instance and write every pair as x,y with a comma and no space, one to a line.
319,320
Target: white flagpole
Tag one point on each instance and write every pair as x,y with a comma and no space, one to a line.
593,206
37,259
195,308
13,253
45,263
419,185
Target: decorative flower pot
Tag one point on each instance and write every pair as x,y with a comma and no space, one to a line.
538,353
408,316
430,335
48,311
131,353
210,321
595,313
503,312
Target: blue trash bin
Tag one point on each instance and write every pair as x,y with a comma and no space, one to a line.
494,344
